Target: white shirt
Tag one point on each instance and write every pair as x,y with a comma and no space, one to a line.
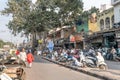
56,54
100,57
23,56
39,52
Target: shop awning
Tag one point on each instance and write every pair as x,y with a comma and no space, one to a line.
108,34
97,40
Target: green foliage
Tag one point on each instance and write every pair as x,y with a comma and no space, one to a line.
18,9
69,10
42,16
2,43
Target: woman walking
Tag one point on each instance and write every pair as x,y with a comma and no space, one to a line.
30,59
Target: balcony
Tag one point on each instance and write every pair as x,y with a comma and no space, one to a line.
114,2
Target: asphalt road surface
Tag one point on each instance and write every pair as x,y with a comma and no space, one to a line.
44,70
113,65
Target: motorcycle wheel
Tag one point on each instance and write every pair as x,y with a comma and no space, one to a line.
91,65
103,67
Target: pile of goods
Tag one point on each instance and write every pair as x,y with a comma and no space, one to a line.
11,68
13,73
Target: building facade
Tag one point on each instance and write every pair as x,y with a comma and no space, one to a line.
105,19
92,24
116,4
105,34
82,27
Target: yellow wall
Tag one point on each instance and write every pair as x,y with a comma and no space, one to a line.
93,27
103,15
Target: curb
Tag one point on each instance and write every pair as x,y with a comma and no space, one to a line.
79,70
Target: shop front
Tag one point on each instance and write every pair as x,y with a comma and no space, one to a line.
110,40
95,41
74,41
118,41
79,41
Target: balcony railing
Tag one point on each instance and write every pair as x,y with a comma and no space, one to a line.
114,2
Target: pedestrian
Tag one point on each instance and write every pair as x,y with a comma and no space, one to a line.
17,52
113,53
39,52
30,59
23,55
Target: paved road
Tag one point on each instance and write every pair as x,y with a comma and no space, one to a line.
44,70
113,65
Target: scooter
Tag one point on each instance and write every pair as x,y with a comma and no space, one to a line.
102,65
100,61
90,61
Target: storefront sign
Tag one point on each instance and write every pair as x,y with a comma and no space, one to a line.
78,38
72,38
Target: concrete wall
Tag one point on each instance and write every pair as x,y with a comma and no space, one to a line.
103,15
93,27
82,27
117,13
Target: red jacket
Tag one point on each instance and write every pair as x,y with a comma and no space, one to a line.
30,58
17,52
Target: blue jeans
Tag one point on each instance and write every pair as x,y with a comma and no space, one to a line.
111,57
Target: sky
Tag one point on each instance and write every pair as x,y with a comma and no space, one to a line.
5,32
97,3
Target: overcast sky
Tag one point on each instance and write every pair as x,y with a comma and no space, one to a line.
5,33
97,3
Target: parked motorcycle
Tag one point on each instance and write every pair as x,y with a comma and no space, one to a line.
102,65
100,61
90,61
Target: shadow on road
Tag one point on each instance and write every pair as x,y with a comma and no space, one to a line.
38,59
113,72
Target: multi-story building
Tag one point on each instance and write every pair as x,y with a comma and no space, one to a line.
116,4
106,35
105,19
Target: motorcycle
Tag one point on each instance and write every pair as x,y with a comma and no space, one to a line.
100,61
102,65
90,61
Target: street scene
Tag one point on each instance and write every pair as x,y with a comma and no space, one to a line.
60,40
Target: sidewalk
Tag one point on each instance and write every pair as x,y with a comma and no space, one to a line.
108,74
103,74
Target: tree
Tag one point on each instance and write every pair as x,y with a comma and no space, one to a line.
44,15
69,10
2,43
19,9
